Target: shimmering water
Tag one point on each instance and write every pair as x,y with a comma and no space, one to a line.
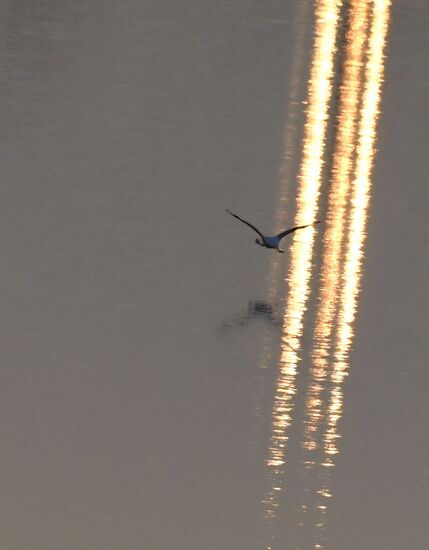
164,382
360,35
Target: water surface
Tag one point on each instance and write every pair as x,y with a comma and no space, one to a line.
165,383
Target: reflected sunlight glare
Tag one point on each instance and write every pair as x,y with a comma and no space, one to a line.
359,77
297,287
351,265
374,69
288,160
333,241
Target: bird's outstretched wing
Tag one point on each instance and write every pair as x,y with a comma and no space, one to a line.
247,223
284,233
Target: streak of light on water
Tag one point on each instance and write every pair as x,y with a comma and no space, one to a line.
297,282
359,82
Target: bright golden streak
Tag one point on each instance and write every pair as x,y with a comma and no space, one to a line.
374,69
319,92
289,137
342,168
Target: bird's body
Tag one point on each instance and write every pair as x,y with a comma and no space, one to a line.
272,241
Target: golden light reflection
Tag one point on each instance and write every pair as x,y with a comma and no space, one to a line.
359,81
351,265
297,288
288,160
333,245
374,69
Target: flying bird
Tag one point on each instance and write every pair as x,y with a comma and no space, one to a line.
271,242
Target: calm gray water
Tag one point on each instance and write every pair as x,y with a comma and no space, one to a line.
165,383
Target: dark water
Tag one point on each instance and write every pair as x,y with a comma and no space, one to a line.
165,383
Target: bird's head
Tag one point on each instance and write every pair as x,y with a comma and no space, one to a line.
257,241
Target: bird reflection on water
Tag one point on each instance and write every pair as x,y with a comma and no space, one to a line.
256,309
